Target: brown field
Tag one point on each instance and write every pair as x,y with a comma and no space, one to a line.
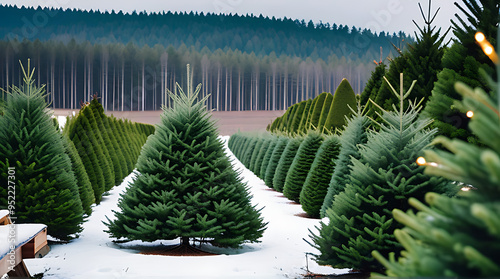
229,122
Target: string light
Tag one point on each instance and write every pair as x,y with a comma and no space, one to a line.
470,114
421,161
486,46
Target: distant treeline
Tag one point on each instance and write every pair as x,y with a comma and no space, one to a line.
245,62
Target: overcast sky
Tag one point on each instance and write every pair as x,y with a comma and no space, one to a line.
377,15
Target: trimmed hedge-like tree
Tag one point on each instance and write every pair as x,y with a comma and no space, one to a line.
285,161
315,114
34,167
344,101
316,184
274,160
267,157
354,135
301,165
185,185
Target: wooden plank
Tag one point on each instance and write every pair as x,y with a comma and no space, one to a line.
11,261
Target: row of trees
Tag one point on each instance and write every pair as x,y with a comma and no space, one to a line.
129,77
54,178
257,34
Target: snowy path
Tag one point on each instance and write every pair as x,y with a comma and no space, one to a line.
281,254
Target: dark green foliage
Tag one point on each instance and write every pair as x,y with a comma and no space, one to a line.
462,63
274,160
301,165
457,237
285,161
316,111
82,179
383,178
267,157
109,143
354,135
316,184
34,168
304,117
264,148
185,185
297,117
373,85
344,100
249,148
255,153
325,111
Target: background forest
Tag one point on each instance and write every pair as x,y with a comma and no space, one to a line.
245,62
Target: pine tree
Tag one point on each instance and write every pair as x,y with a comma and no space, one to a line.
373,84
255,153
285,161
457,237
316,184
315,114
344,100
297,117
185,185
301,165
384,177
305,114
274,160
34,164
354,135
462,62
325,112
266,142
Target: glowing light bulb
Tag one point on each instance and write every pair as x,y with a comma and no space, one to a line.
488,50
470,114
465,189
479,37
421,161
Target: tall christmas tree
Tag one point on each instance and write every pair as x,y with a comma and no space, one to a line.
285,161
185,185
384,177
457,237
274,160
34,165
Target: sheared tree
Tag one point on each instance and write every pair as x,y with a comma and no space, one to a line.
285,161
274,160
316,184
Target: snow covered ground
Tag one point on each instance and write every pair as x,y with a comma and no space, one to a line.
281,254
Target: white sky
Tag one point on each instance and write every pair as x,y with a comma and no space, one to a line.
377,15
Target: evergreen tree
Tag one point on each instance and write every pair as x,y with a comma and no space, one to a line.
325,112
274,160
297,117
185,185
108,141
267,157
305,114
344,100
315,114
82,179
266,142
34,164
301,165
384,177
373,85
285,161
255,152
354,135
462,63
457,237
316,184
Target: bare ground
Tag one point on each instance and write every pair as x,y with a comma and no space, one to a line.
229,122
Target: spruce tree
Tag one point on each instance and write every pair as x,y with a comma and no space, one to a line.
315,113
344,101
266,142
457,237
354,135
316,184
325,112
305,114
34,165
274,160
384,177
185,185
297,117
255,152
373,84
285,161
301,165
